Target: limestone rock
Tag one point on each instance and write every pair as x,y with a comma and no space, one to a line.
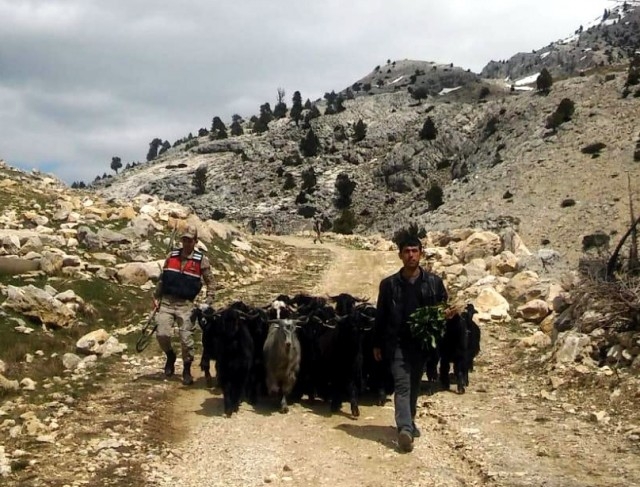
534,311
37,303
70,361
8,385
537,340
503,263
517,288
491,305
99,342
479,245
572,347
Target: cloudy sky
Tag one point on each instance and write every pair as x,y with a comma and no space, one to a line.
84,80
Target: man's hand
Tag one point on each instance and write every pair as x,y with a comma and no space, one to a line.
209,301
156,304
377,354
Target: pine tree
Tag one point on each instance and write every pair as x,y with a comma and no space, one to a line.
544,81
236,125
200,180
218,129
429,130
296,108
280,110
153,149
359,131
344,187
309,144
116,163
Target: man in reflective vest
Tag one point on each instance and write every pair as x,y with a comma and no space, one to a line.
180,282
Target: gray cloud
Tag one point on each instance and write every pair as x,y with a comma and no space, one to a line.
83,80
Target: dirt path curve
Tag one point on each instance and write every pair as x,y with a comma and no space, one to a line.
500,433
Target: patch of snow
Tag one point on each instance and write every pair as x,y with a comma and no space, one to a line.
544,54
523,88
569,39
528,80
583,58
444,91
587,49
396,80
609,22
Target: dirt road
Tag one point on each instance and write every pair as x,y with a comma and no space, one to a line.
504,431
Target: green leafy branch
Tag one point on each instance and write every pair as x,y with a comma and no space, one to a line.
427,325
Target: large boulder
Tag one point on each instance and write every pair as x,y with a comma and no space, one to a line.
143,225
479,245
39,304
111,237
517,289
571,347
491,305
534,311
13,266
137,273
505,262
99,342
51,262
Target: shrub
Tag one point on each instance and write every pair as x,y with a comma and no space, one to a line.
301,198
491,127
429,130
484,92
116,163
289,182
309,180
200,180
594,148
633,74
236,125
344,187
544,81
563,113
309,144
419,93
307,211
292,160
434,196
153,149
345,222
359,131
218,129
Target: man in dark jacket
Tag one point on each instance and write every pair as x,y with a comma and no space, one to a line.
399,296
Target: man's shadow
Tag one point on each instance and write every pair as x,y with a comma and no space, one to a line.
384,435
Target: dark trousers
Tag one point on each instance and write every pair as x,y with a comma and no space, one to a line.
406,369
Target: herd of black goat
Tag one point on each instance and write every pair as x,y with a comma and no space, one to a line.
315,346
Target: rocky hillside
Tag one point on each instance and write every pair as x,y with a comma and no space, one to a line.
74,264
494,158
608,40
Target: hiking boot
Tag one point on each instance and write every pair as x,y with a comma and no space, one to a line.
416,432
405,441
187,380
170,364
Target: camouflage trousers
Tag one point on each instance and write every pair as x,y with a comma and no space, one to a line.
176,314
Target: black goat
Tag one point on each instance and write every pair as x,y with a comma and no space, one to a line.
460,344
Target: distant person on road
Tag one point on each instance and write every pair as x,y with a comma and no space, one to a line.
253,225
399,296
268,226
180,282
317,228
